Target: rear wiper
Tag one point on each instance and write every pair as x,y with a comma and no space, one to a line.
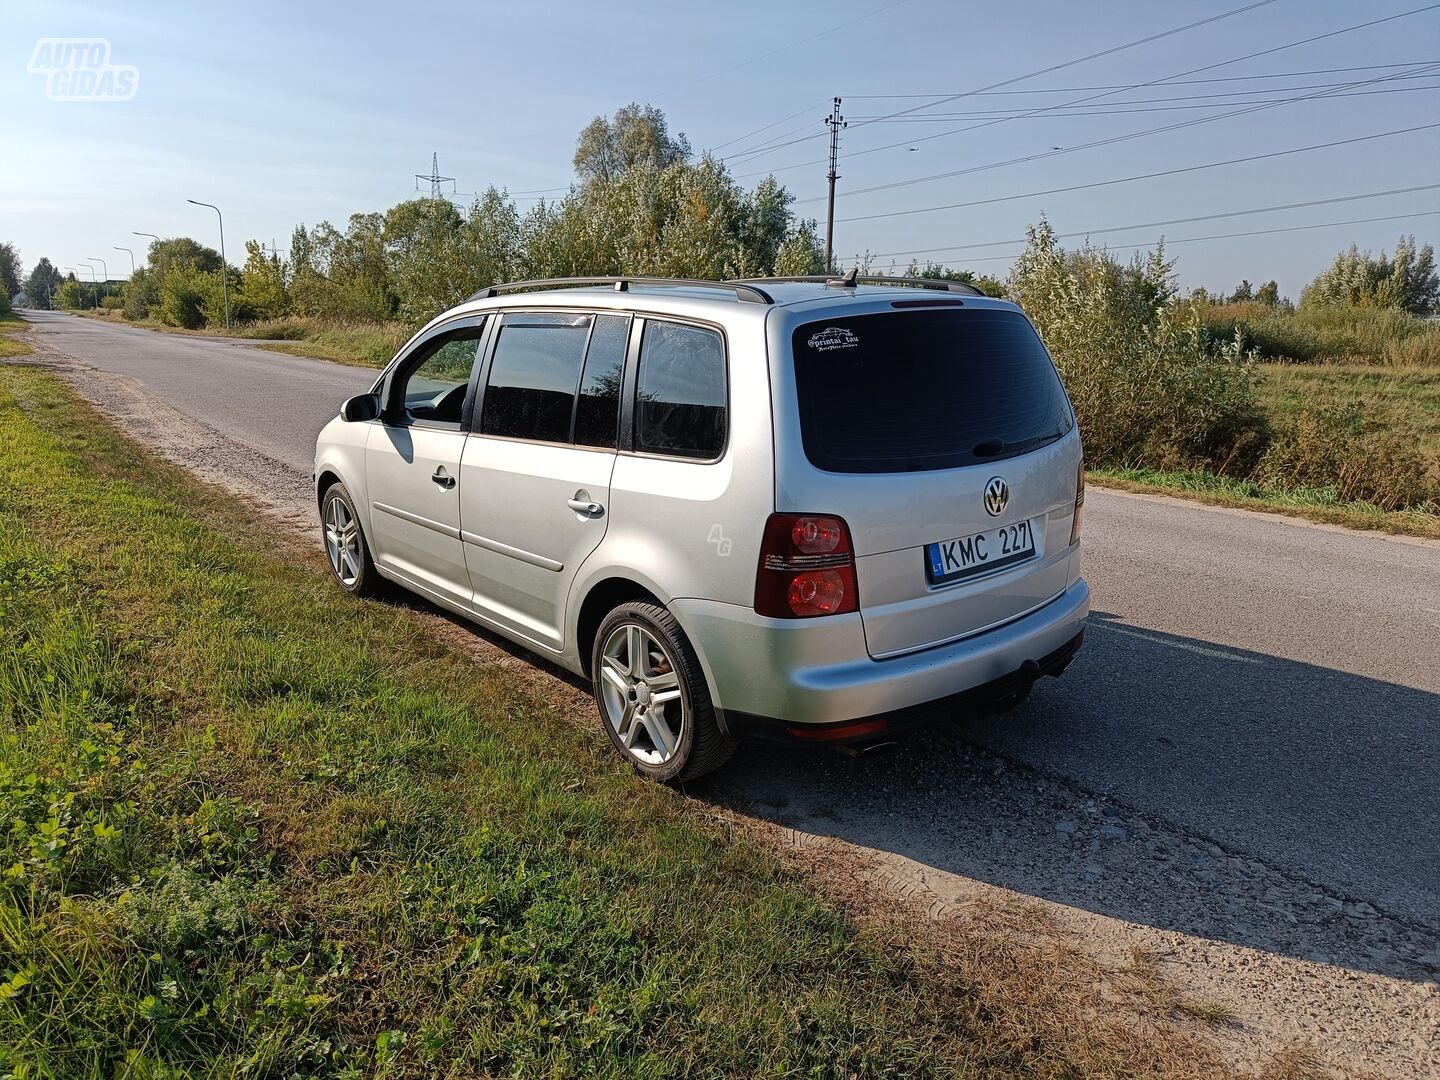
988,448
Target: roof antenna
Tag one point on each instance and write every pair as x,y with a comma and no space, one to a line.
848,281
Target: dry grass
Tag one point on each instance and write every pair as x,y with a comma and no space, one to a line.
1211,490
1051,1010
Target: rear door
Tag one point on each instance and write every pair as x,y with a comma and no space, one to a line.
412,463
940,432
535,476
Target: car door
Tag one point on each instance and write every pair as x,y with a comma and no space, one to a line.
412,463
535,475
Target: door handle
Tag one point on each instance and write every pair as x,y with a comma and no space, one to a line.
582,506
444,479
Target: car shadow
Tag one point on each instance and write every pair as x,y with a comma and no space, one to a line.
1164,781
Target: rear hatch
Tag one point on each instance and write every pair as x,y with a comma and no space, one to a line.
940,432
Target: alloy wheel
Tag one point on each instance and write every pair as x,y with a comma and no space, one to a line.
641,692
342,541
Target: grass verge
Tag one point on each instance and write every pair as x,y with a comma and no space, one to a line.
11,323
1315,505
364,344
256,827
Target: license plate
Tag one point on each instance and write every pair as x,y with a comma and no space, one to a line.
951,560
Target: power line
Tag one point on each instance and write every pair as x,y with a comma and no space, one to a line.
767,127
740,156
1173,82
1197,239
1151,82
1109,141
1093,56
1142,176
1181,221
1035,74
1117,108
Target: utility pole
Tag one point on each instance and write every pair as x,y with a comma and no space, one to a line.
435,178
836,123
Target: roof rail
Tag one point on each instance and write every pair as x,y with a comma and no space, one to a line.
853,278
743,291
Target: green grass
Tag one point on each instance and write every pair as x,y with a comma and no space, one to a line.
1401,400
256,827
9,346
1400,404
366,344
1316,504
1353,335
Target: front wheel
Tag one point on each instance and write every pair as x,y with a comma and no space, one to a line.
651,693
345,547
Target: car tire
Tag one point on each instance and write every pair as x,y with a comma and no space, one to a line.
652,696
346,551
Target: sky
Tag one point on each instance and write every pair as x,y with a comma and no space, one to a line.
287,113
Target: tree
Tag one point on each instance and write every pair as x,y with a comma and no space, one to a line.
984,282
262,282
1243,292
1407,281
40,286
801,252
435,257
9,271
70,296
183,253
1268,294
636,135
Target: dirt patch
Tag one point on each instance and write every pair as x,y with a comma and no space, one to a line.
1066,906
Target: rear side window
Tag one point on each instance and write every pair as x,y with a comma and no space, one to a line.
533,376
680,391
912,391
597,413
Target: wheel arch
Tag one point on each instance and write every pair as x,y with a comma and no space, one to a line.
325,479
601,598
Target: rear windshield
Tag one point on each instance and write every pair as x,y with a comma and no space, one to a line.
917,390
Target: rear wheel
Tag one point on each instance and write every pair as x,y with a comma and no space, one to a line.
651,693
345,546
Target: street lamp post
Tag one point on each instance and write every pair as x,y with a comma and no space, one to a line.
104,270
152,236
132,258
224,267
93,281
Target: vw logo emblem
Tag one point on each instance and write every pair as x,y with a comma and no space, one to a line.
997,496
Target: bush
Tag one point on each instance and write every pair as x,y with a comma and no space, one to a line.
1146,386
1335,450
70,296
112,303
182,299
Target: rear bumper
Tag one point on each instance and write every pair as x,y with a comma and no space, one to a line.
996,694
769,675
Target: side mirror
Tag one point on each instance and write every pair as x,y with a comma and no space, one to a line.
360,407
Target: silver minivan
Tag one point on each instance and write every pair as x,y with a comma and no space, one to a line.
800,509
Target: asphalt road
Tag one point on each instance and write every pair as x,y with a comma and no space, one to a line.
1269,685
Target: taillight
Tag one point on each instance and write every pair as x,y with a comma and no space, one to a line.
807,568
1079,503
